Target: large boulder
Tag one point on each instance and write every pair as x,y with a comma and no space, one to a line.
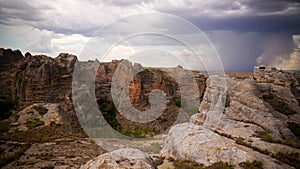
259,118
120,159
192,142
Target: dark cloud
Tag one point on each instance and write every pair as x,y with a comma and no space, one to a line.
255,15
247,16
242,30
14,12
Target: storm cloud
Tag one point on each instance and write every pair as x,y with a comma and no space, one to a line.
244,32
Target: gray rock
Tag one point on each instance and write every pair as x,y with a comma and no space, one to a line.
122,158
196,143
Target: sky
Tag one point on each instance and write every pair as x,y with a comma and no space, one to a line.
244,33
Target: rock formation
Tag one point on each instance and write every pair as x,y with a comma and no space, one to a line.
43,79
122,158
255,117
251,127
9,60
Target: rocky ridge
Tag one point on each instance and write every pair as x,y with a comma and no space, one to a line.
259,121
41,104
250,127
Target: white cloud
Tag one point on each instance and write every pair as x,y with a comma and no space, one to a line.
293,63
276,49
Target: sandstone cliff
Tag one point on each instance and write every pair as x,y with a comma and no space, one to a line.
259,122
9,61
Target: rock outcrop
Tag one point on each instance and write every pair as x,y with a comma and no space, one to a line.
254,123
253,117
9,60
37,115
43,79
122,158
192,142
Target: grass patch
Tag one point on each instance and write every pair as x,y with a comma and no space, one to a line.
42,110
240,141
146,70
179,102
33,123
185,164
40,134
251,165
192,110
220,165
159,161
138,132
7,158
265,135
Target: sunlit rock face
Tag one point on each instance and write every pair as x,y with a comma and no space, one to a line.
258,123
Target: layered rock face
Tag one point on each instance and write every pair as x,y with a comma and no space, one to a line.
43,79
258,123
9,61
280,89
255,118
141,82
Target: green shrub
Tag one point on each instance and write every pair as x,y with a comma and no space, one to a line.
32,123
5,115
146,70
192,110
42,110
146,130
127,132
185,164
159,161
138,132
227,102
4,127
240,141
109,113
265,135
220,165
5,109
251,165
294,128
178,102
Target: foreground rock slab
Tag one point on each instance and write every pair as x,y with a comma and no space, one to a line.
122,158
192,142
